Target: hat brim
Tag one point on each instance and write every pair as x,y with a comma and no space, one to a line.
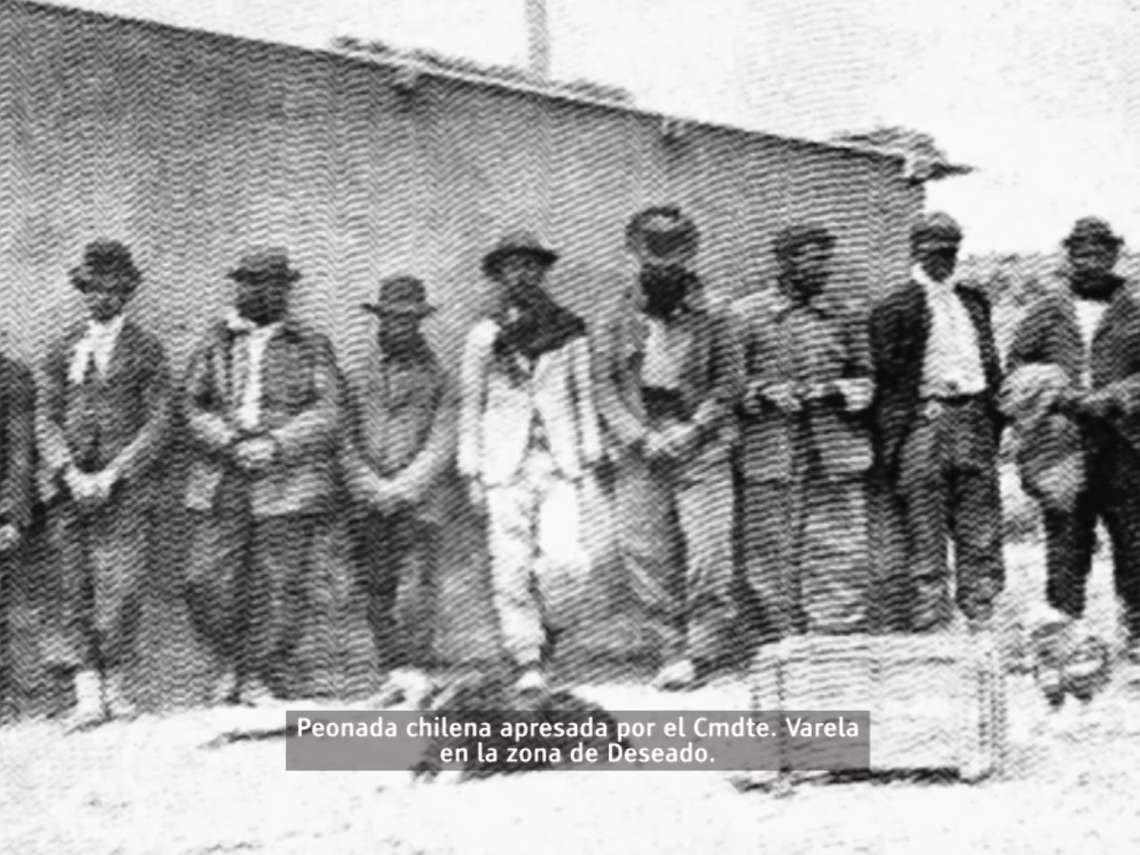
287,277
85,280
493,260
946,238
1105,240
421,310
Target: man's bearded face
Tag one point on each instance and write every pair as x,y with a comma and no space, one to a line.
937,256
807,268
665,287
262,301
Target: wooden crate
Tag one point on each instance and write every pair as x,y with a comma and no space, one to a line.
936,701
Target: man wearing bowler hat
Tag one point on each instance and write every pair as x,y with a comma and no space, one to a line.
1081,343
528,432
262,401
396,460
937,430
104,413
670,370
806,444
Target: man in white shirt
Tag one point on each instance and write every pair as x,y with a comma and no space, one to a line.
100,427
936,378
1090,329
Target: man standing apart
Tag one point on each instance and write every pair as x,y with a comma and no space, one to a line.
263,402
395,463
669,377
17,490
1090,332
528,432
806,445
937,375
105,411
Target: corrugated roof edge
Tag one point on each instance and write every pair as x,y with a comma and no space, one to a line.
444,74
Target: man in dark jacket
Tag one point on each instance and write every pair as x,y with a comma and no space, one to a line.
398,465
669,375
105,411
1090,329
806,447
17,489
263,402
937,373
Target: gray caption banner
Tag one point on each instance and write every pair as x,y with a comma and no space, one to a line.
509,740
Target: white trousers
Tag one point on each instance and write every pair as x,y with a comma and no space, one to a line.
537,559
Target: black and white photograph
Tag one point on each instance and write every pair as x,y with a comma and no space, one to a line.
569,426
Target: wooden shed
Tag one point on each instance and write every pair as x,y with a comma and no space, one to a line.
191,146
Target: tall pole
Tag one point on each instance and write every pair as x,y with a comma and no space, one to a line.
538,39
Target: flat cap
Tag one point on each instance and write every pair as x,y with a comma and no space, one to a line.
1092,229
517,243
937,226
662,235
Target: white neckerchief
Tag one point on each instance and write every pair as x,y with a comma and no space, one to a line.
1089,315
257,338
97,343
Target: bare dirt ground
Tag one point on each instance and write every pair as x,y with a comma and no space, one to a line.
151,786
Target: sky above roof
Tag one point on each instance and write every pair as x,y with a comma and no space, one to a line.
1041,96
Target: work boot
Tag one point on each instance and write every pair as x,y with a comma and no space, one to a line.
1050,643
676,676
89,710
116,703
254,693
532,681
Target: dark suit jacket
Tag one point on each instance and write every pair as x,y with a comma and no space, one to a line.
900,326
301,403
17,443
119,420
1049,333
712,379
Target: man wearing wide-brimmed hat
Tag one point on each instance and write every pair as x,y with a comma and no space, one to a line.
1078,350
806,444
528,433
262,400
397,459
101,423
937,429
670,370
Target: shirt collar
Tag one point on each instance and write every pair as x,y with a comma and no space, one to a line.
108,330
237,324
920,276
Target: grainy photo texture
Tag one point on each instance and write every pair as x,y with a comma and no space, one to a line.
568,392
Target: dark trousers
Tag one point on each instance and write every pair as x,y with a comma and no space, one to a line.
948,481
1112,494
257,586
400,557
103,556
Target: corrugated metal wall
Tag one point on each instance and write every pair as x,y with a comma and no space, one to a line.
190,147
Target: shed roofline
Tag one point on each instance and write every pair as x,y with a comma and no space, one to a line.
426,70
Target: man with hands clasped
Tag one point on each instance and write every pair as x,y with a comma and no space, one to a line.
262,403
104,413
806,445
669,372
396,465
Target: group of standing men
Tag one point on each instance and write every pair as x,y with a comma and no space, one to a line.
785,413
